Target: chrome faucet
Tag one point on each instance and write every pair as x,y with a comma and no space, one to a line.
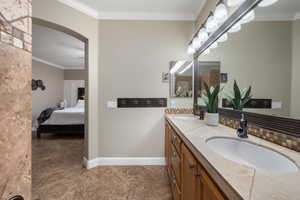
242,130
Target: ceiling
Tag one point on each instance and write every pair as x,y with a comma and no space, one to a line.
56,48
282,10
139,9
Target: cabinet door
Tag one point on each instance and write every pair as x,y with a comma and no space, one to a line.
176,164
208,189
189,175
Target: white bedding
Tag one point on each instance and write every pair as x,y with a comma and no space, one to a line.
67,116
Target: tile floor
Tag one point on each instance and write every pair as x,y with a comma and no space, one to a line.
57,174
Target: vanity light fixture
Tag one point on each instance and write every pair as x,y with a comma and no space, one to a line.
186,68
266,3
221,12
234,3
248,17
191,50
196,43
202,35
176,67
235,28
211,23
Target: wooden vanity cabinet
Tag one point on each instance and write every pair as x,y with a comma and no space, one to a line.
189,175
188,179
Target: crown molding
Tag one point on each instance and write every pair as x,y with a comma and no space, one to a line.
128,15
144,16
48,63
55,65
80,7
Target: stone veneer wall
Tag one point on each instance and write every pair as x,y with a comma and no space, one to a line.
281,139
15,92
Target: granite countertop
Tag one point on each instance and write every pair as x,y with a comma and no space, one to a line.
247,182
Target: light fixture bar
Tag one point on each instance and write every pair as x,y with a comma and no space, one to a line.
176,67
186,68
245,8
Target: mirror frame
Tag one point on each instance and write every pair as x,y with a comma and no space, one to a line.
282,125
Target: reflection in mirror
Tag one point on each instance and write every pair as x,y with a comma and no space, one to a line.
264,54
208,72
181,79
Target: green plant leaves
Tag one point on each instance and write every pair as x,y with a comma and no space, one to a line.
212,99
239,98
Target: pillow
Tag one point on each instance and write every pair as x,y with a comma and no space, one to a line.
80,104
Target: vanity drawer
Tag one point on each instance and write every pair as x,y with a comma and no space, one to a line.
176,141
174,186
175,163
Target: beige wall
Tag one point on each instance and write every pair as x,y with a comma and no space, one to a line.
88,27
260,56
75,74
295,100
133,55
53,79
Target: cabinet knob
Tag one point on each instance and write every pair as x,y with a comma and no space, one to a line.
174,154
197,174
191,166
174,182
174,137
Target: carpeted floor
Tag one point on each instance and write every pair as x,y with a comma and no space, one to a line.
57,174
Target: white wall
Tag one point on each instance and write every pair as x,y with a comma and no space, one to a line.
53,79
71,91
295,100
133,55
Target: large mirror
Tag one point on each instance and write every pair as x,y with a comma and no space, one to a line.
263,55
181,79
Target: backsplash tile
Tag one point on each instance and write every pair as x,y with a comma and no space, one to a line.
281,139
179,111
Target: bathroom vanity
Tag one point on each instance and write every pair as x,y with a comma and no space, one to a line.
198,170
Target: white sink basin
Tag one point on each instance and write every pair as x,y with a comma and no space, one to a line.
253,155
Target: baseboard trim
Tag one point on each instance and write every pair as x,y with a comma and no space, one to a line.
123,161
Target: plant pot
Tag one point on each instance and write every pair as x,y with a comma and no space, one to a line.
212,119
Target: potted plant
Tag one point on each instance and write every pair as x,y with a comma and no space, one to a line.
211,100
238,98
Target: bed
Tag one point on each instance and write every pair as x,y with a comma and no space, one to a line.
65,121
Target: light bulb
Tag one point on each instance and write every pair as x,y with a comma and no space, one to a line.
214,45
211,24
248,17
221,13
191,50
234,3
196,43
223,38
266,3
202,35
235,28
206,52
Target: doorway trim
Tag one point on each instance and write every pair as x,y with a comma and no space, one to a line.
85,40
